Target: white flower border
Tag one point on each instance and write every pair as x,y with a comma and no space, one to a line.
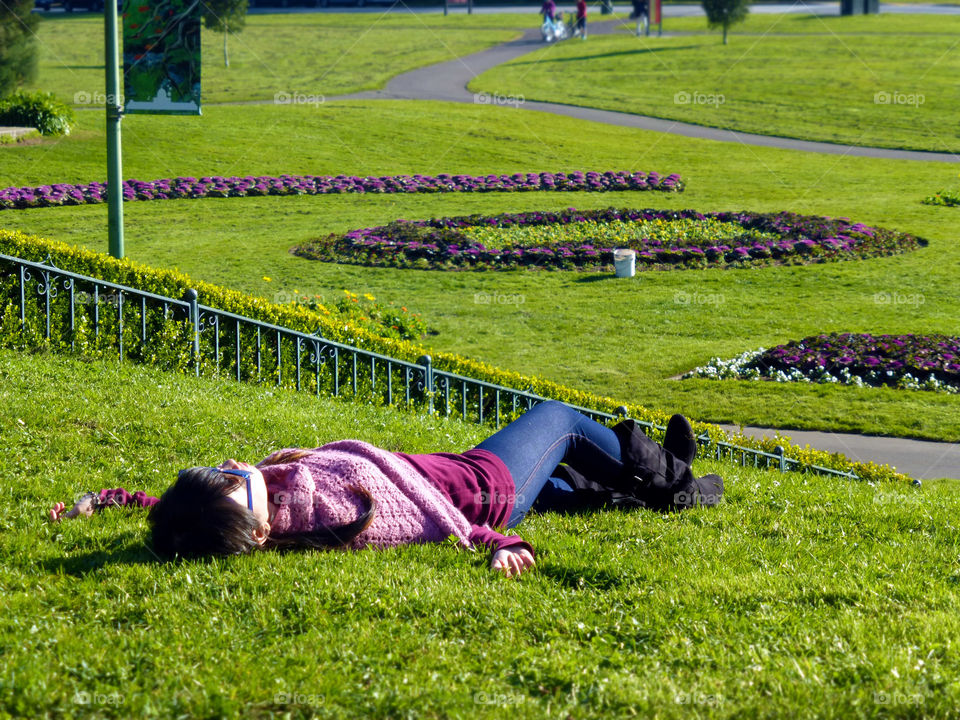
736,369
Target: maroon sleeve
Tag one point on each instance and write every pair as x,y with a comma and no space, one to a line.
119,496
480,535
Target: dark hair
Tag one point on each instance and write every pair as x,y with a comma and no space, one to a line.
194,517
324,538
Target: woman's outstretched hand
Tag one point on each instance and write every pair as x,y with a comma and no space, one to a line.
84,507
512,562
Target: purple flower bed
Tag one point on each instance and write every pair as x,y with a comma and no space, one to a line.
188,187
888,357
437,243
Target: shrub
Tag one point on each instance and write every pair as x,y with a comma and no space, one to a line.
18,44
37,110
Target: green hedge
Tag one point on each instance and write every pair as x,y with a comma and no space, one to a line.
298,317
37,110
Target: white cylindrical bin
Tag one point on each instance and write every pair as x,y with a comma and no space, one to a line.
625,262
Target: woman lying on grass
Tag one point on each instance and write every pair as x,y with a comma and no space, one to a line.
349,494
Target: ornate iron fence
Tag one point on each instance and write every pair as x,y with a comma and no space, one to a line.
66,310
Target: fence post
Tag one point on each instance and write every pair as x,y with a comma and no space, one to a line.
427,363
778,450
191,297
23,301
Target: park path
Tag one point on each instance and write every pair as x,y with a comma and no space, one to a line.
447,81
920,459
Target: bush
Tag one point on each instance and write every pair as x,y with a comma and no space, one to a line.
37,110
18,44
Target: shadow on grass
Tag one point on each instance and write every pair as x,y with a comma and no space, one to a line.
126,549
583,578
596,278
599,56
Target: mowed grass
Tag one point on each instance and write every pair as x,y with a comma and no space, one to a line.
886,81
296,58
621,338
743,610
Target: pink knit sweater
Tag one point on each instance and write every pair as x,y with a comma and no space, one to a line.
316,491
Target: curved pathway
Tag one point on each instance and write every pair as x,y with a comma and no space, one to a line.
448,82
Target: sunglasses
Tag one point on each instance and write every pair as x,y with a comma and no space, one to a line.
245,474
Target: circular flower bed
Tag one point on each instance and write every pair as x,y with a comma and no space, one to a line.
573,239
913,362
191,188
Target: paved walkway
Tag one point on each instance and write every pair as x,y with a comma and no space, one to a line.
15,131
919,459
448,81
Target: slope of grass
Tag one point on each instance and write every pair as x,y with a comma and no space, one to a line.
863,81
644,330
746,609
306,56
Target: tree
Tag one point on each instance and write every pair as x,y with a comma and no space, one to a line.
724,13
225,16
18,44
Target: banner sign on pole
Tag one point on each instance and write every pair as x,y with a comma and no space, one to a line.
161,56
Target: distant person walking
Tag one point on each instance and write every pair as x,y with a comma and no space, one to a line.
582,18
641,11
548,10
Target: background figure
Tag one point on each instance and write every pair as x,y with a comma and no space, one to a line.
641,11
582,18
548,9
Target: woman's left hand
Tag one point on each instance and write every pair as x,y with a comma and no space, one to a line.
512,562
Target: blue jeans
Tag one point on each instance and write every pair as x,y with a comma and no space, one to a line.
546,435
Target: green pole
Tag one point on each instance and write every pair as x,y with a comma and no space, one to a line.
114,114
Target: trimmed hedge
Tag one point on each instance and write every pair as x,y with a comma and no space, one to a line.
297,317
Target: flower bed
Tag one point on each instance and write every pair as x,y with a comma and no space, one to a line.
913,362
585,240
188,187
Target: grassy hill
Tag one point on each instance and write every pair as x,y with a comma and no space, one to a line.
796,595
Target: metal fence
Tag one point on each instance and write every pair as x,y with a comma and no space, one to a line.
67,310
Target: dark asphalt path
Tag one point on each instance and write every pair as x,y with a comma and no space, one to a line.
448,81
919,459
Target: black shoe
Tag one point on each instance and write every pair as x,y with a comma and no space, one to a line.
680,440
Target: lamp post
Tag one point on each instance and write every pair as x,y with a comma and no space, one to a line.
114,115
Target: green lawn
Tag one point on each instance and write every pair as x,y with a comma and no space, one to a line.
744,610
643,331
309,55
886,81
